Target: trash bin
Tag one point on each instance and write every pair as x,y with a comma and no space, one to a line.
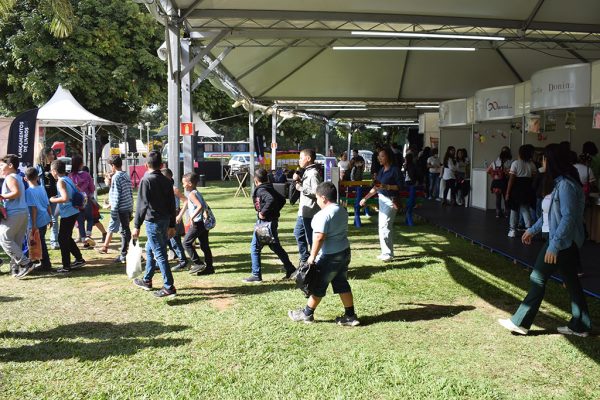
202,180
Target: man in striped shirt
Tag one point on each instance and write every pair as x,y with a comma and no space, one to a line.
120,198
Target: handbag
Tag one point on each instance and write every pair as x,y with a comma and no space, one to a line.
264,233
35,246
134,259
306,275
209,219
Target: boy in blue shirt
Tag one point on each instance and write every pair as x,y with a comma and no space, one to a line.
41,214
330,253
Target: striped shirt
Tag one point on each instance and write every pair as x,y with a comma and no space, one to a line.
120,195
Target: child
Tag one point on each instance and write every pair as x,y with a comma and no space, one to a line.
68,216
196,207
267,202
14,226
41,214
175,242
121,206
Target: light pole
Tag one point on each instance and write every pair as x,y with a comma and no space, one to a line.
147,137
141,128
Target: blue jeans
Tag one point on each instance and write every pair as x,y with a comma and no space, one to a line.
54,231
434,185
303,234
177,247
156,251
85,215
256,247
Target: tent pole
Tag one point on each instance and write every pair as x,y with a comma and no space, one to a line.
94,162
274,139
251,134
327,127
349,142
84,145
189,141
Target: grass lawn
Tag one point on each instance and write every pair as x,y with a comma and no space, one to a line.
428,329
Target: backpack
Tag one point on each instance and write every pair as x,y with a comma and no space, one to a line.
498,172
78,199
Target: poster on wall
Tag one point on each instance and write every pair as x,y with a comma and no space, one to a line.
596,120
549,122
533,123
570,120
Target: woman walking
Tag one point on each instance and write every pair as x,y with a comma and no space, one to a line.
498,170
562,225
449,175
85,183
48,182
519,193
388,181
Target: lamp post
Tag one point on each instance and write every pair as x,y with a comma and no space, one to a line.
147,137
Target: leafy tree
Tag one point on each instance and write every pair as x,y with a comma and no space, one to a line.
60,13
109,61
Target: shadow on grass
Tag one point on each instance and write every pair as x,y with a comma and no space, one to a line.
64,342
8,299
419,312
398,263
193,295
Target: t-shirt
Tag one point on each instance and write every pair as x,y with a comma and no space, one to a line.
333,222
19,204
192,207
435,164
522,169
585,173
37,197
461,166
546,202
449,171
392,176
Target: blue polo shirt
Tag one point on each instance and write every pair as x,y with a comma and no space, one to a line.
390,177
37,197
333,222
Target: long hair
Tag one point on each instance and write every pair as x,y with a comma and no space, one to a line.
76,163
557,164
389,155
448,156
505,154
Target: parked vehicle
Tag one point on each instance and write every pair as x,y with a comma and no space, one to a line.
238,162
320,159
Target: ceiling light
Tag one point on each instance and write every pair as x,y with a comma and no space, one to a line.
402,124
332,105
404,48
337,109
427,35
426,106
397,121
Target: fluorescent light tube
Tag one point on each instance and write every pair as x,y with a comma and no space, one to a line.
404,48
336,109
427,35
426,106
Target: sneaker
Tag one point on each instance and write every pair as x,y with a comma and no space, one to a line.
54,247
14,271
384,257
181,265
142,284
299,316
512,233
171,255
346,320
164,292
63,270
119,260
78,263
508,324
89,242
565,330
252,279
207,271
24,271
291,275
197,268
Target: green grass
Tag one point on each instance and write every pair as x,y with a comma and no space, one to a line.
429,327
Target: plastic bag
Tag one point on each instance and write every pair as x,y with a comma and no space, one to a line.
134,259
35,246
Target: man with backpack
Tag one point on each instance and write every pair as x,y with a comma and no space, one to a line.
268,203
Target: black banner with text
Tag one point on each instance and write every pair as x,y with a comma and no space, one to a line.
21,137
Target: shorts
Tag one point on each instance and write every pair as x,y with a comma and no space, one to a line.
332,268
115,224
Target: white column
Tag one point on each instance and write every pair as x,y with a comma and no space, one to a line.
174,108
251,139
327,127
186,109
274,139
94,162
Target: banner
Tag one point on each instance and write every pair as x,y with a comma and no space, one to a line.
21,137
567,86
495,103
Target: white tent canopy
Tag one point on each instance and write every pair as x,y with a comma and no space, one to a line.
63,110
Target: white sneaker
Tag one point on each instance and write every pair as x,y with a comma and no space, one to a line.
384,257
512,233
508,324
565,330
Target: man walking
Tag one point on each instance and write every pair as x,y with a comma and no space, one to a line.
156,210
307,186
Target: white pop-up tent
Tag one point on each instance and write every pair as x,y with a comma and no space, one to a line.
63,111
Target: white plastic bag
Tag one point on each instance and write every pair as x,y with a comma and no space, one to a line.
134,259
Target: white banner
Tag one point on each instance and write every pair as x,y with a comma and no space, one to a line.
453,113
561,87
495,103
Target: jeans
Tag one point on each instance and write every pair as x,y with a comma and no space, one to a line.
54,231
124,217
450,186
434,185
387,214
256,247
67,244
177,247
303,234
580,320
514,217
198,231
156,251
85,215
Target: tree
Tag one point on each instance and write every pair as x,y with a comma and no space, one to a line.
109,61
60,13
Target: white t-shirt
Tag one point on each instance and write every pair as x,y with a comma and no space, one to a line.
435,164
585,173
462,166
449,170
545,211
498,163
522,169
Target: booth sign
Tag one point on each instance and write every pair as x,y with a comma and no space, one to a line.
561,87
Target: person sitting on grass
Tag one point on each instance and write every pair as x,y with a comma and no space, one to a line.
41,214
331,255
156,210
267,202
14,226
196,207
120,198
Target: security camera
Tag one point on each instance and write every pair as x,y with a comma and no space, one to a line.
162,52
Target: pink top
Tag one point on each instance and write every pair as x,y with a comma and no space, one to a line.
84,182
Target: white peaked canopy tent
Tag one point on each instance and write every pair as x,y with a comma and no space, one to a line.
64,111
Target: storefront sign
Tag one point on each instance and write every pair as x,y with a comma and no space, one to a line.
495,103
561,87
453,113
